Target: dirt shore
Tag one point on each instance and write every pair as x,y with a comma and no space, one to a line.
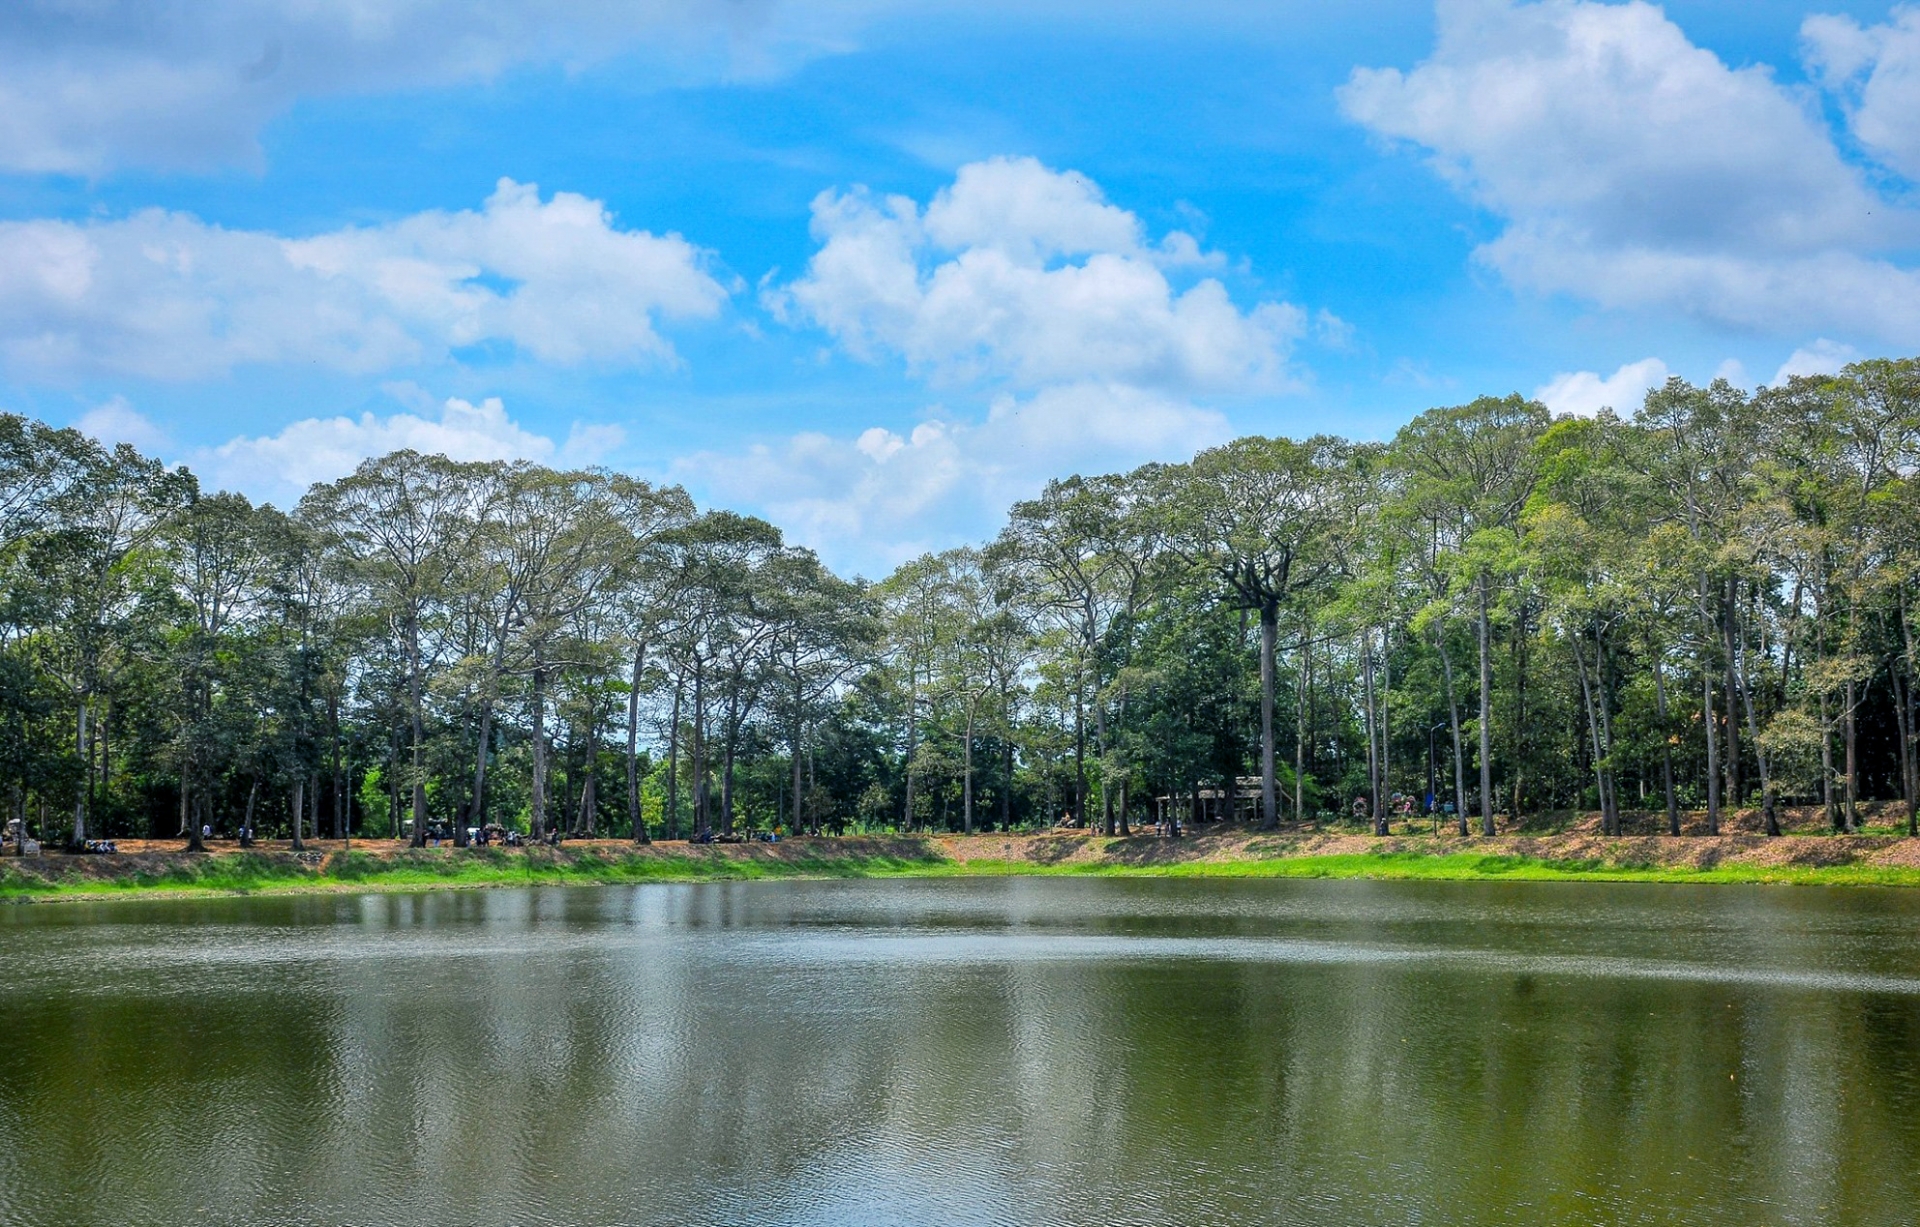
157,866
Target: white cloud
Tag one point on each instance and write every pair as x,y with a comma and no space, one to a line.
1635,169
1026,275
1090,334
1027,212
86,87
1585,393
1876,71
880,497
117,421
166,296
280,467
1823,357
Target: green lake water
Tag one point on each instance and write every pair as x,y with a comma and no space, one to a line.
982,1051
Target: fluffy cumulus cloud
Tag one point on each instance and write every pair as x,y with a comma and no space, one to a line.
116,421
1586,393
1089,338
86,87
1027,275
872,500
166,296
280,467
1876,72
1822,357
1633,169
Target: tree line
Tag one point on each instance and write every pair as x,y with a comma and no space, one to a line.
1703,609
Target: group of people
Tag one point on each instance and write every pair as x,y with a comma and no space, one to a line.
1399,805
770,836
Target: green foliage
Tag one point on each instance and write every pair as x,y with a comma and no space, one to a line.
1514,613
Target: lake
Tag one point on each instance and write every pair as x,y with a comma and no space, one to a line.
991,1051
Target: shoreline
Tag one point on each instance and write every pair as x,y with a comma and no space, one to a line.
162,869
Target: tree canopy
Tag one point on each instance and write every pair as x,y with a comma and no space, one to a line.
1704,608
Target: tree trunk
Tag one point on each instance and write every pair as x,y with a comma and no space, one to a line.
1909,732
103,727
734,718
1373,745
1300,727
1006,778
1081,791
418,726
393,783
1708,724
299,811
1604,702
1104,752
1666,746
966,806
1486,712
636,821
702,811
1853,759
1519,642
85,752
795,783
333,737
477,806
726,783
913,729
194,842
1269,798
1828,801
673,761
1459,745
1735,793
1769,810
588,819
1903,722
1122,770
1383,820
1593,737
537,817
1713,752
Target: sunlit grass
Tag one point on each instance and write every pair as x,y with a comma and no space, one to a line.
1471,867
249,873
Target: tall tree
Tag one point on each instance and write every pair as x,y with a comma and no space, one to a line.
1269,520
1472,468
406,523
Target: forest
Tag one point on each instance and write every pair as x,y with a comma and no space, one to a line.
1668,619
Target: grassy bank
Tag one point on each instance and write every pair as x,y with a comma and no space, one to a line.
149,873
155,869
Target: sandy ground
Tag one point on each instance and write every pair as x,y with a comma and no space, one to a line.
1579,842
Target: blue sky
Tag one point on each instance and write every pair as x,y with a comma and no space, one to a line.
873,269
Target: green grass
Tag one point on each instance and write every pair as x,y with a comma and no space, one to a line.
1471,867
248,873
